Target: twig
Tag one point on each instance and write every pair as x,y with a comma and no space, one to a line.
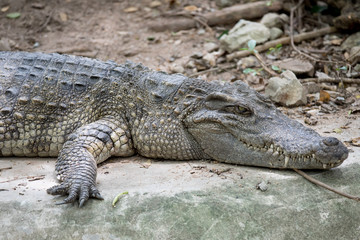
271,72
321,184
285,40
45,23
223,16
211,70
331,80
292,32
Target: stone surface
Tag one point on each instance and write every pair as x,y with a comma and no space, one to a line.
271,20
275,33
241,33
296,65
354,55
352,41
286,90
167,201
311,87
210,46
248,62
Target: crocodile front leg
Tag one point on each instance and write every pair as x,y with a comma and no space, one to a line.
89,145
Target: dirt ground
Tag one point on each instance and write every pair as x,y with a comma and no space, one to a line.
98,29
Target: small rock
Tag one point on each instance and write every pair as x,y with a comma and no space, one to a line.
5,44
262,186
175,68
340,100
311,87
352,89
210,46
311,120
197,55
275,33
190,64
357,67
354,55
352,41
247,62
271,20
242,32
286,90
210,59
285,18
296,65
321,75
201,31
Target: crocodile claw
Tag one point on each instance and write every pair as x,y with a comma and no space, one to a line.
75,191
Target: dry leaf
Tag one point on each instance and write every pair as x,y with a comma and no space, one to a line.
190,8
4,9
324,96
356,141
130,9
155,4
337,130
63,16
357,96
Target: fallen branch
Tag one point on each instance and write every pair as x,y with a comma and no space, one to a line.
285,40
224,16
331,80
321,184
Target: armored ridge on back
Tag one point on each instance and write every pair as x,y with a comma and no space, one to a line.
85,111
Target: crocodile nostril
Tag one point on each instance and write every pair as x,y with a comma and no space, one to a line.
331,141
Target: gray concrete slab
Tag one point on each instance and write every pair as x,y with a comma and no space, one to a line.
184,200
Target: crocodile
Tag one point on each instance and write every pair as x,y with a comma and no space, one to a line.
83,111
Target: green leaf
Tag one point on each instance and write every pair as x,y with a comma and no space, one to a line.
243,49
13,15
116,199
226,32
343,68
251,44
249,71
279,45
275,68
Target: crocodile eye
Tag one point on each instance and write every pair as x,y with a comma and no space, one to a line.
238,110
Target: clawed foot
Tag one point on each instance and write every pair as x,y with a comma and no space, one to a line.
77,190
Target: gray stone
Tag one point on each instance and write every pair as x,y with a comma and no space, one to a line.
286,90
352,41
242,32
271,20
210,46
275,33
357,67
176,68
311,87
354,55
285,18
296,65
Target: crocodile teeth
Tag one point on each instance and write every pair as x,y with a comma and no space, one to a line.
286,161
324,166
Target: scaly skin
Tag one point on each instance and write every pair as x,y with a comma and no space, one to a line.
85,111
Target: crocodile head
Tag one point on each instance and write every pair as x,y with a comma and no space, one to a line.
239,125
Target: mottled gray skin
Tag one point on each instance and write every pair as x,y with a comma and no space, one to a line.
85,111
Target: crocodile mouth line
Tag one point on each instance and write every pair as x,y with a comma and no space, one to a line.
279,153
